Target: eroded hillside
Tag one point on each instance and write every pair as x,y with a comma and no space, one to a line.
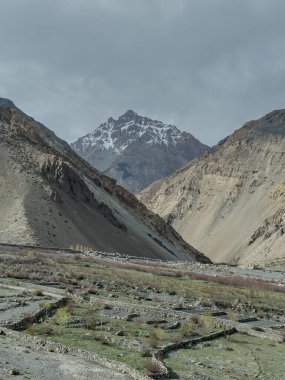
229,202
52,197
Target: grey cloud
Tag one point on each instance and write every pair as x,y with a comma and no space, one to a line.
206,66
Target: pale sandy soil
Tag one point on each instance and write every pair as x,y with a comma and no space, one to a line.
38,363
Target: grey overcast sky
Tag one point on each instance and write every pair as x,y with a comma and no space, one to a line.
206,66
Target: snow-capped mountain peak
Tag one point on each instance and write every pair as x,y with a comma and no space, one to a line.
117,135
134,140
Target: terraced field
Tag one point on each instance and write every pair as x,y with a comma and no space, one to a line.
135,320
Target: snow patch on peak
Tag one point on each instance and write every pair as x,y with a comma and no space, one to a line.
101,137
117,135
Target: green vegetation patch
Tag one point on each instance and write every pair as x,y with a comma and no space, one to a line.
85,326
238,357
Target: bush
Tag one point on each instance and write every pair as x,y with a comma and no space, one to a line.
48,307
186,329
71,306
91,290
99,304
62,317
206,321
30,255
45,329
90,322
233,316
154,367
38,293
155,337
146,352
103,339
69,289
195,319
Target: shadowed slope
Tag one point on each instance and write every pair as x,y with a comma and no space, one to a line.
50,196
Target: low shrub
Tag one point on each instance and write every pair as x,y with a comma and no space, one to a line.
155,337
154,367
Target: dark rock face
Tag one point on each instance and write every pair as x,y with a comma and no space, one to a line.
136,150
4,103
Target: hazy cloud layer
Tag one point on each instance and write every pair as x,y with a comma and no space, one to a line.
206,66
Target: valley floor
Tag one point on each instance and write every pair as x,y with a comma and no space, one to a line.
96,315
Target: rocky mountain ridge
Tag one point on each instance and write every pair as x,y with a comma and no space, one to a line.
52,197
229,202
137,150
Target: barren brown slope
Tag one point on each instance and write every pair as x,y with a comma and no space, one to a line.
230,202
52,197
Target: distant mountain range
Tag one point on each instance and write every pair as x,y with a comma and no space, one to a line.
230,202
52,197
137,150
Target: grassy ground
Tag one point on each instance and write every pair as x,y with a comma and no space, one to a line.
111,335
91,322
240,357
71,270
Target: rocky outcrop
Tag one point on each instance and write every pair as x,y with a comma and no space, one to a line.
136,150
59,173
272,225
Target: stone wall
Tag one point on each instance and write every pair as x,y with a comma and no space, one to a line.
264,333
42,313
